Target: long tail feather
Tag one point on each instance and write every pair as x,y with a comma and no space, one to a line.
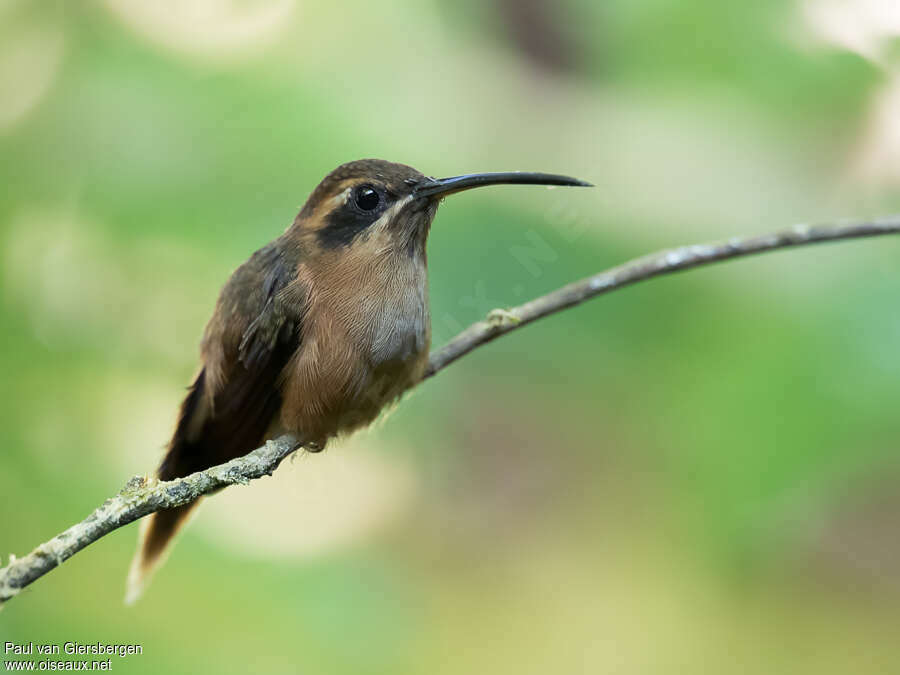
154,543
187,453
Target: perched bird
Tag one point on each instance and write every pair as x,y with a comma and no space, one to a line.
318,330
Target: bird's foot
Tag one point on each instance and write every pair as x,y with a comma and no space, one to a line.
314,446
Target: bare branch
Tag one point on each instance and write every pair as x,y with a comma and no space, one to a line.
142,496
500,322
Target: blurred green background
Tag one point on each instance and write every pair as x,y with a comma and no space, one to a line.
698,474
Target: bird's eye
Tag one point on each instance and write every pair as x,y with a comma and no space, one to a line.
367,198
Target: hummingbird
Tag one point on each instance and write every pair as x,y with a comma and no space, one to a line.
317,331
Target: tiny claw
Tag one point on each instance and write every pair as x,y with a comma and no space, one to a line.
314,446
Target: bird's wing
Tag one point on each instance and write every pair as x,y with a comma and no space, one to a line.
252,335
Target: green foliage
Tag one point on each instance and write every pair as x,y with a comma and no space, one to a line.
567,499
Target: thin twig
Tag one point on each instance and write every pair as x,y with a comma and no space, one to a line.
142,496
500,322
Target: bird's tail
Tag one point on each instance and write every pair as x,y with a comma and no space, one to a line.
154,543
188,452
244,409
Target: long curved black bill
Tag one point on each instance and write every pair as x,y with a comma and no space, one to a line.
447,186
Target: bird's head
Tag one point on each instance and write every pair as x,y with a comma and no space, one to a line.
390,205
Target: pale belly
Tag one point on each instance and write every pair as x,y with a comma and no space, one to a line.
342,379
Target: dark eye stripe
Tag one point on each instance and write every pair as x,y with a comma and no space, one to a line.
350,219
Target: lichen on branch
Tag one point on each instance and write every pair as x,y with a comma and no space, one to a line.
142,496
